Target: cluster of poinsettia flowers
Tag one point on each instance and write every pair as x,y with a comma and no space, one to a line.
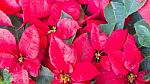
68,41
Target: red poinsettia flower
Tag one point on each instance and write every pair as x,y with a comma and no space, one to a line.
4,19
92,49
145,11
9,6
124,57
22,58
63,28
67,69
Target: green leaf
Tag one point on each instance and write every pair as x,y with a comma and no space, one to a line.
118,10
65,15
145,51
7,77
115,13
16,21
143,33
70,40
135,17
45,76
107,28
137,41
120,1
132,6
145,64
147,76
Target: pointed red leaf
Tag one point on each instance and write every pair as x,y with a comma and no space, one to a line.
55,81
55,55
117,61
9,6
6,60
67,51
89,27
30,42
34,8
66,28
73,9
132,54
116,40
105,63
15,66
4,19
39,9
83,48
83,1
61,55
43,28
145,11
84,71
7,42
140,77
106,77
20,77
97,40
32,66
96,22
96,6
56,10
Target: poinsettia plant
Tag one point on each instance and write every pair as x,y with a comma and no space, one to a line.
74,42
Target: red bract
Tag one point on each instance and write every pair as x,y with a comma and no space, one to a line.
92,49
98,39
67,70
20,77
9,6
21,58
65,28
73,9
145,11
83,1
4,19
34,8
97,6
117,38
42,30
83,48
124,57
90,23
56,10
106,77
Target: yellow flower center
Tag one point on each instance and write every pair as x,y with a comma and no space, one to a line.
98,55
53,29
21,58
65,78
131,77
